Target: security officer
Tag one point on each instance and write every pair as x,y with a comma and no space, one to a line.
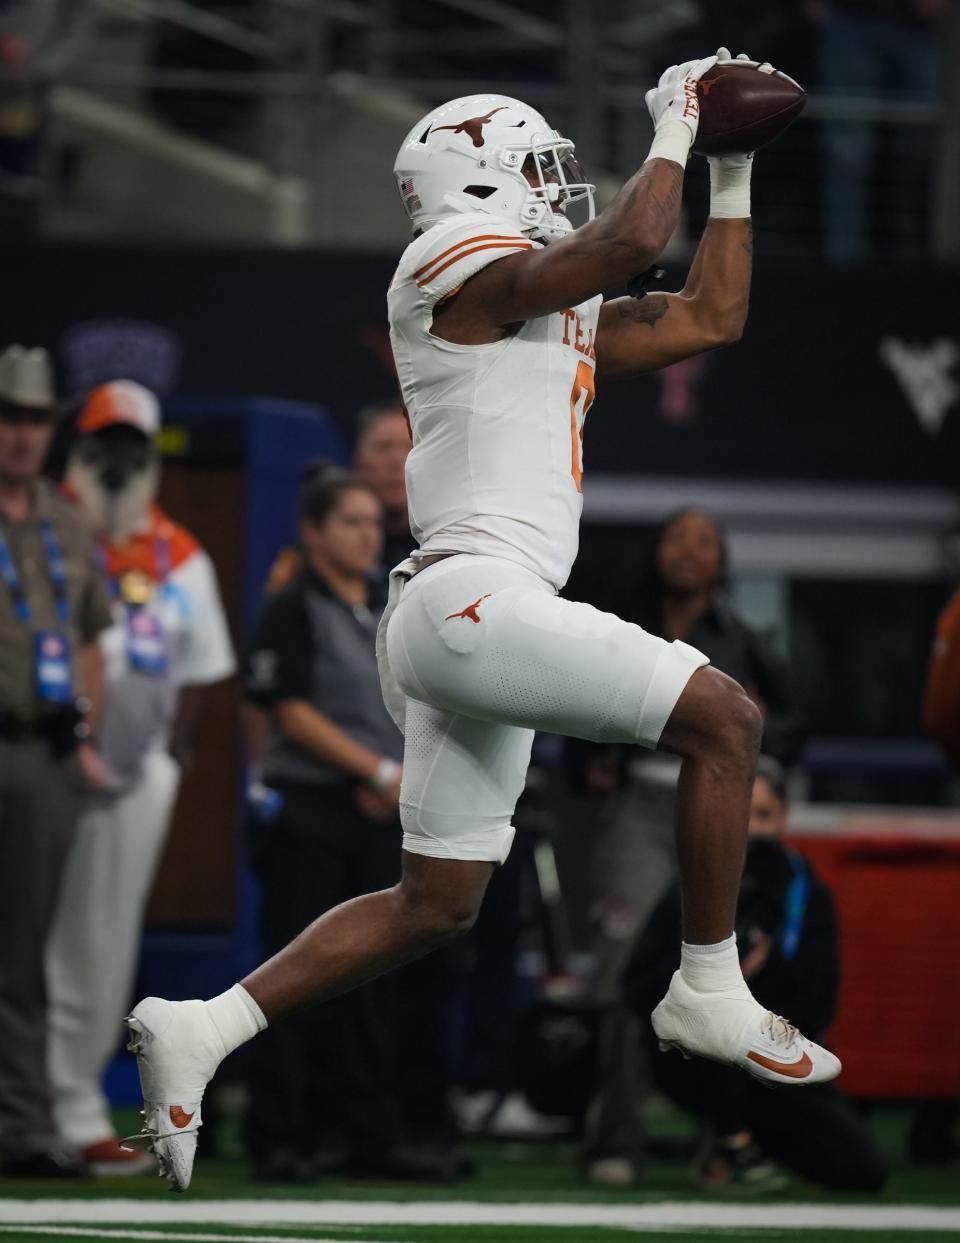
53,605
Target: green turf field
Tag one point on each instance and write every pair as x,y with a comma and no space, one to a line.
522,1193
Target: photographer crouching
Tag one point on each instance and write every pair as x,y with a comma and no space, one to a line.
787,936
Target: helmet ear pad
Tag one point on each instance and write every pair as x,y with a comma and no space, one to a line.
504,191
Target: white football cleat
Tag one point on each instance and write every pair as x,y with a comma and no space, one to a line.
178,1050
732,1027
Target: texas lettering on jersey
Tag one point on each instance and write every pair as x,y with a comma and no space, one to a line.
574,334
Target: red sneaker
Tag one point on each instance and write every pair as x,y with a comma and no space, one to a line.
109,1159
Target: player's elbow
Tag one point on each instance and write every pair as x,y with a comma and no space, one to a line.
646,247
724,329
730,332
716,322
716,336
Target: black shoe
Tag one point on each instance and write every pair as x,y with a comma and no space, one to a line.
283,1166
931,1140
51,1164
739,1168
329,1159
414,1164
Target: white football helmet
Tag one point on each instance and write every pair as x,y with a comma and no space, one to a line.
471,155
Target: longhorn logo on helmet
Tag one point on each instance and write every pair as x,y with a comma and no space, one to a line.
472,127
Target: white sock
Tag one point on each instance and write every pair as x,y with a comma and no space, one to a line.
236,1016
711,968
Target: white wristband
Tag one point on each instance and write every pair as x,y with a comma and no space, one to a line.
730,187
671,141
386,775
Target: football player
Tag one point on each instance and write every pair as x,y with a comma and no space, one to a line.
499,331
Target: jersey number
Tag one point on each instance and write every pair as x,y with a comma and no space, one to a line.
581,399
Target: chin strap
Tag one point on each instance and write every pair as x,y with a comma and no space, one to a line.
637,285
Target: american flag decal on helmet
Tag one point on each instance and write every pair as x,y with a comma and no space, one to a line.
406,186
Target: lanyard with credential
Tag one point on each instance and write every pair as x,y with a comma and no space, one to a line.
162,558
162,568
55,566
795,904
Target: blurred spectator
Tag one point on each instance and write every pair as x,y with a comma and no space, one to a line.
325,1086
787,934
380,457
941,707
19,109
380,454
423,988
37,37
168,644
877,50
682,596
933,1131
53,609
491,1098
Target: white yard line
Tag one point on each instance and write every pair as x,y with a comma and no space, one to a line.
317,1213
98,1232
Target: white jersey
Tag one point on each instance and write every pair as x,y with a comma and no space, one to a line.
497,456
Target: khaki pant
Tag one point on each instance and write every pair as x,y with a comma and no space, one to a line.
95,940
39,803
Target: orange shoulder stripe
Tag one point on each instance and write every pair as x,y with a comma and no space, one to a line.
514,246
468,241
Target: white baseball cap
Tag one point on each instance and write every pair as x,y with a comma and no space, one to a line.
120,402
26,378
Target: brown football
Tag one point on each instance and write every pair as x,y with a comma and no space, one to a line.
743,106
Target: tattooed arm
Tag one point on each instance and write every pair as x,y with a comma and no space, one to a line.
644,334
622,242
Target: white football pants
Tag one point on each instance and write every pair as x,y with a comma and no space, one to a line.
486,653
94,943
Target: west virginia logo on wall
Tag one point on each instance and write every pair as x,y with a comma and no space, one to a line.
99,350
925,374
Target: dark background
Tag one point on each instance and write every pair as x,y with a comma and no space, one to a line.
804,397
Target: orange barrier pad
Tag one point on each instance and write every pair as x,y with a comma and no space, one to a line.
895,876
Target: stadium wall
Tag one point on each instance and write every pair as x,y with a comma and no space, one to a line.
841,376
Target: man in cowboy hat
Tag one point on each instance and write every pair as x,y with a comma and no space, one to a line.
53,608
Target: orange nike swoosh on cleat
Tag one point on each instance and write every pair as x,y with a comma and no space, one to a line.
790,1070
179,1117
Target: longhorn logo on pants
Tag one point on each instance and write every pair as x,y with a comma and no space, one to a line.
470,611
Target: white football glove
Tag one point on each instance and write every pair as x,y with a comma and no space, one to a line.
723,54
730,174
675,98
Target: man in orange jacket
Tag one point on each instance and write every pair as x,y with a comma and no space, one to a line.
168,643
